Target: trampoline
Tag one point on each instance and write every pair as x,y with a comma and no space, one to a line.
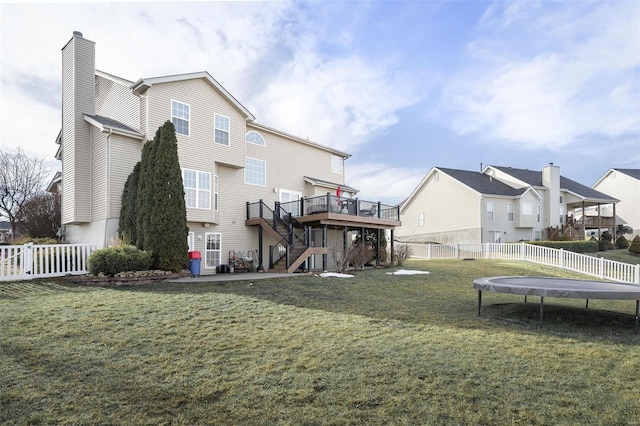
559,287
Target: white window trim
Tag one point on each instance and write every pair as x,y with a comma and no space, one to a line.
511,212
341,162
179,118
216,193
264,142
197,189
191,240
207,251
489,210
265,172
228,131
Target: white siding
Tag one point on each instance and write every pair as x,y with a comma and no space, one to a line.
626,189
78,77
99,175
115,100
124,153
450,208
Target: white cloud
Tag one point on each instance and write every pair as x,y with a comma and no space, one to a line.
379,182
266,54
561,74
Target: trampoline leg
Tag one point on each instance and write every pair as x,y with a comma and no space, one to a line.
525,298
541,310
635,329
586,306
480,301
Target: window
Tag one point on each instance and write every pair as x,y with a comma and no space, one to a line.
221,125
561,199
536,235
216,188
180,117
255,172
510,212
212,250
495,236
197,189
489,210
255,138
421,219
526,209
191,241
561,215
336,164
538,211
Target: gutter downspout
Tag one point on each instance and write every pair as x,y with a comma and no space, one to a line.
108,207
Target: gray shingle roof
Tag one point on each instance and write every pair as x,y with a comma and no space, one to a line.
482,183
534,178
634,173
110,122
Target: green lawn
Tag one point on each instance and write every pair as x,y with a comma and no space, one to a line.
620,255
373,349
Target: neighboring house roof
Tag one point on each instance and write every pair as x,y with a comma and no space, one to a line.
56,180
326,183
143,84
106,124
634,173
482,183
534,178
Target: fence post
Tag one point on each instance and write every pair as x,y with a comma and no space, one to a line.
457,251
637,275
27,259
487,254
561,260
429,251
601,267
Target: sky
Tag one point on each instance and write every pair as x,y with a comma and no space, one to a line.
402,86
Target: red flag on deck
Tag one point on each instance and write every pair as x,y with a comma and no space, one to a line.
338,192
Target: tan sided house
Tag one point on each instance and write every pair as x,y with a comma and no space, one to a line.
255,196
624,184
498,204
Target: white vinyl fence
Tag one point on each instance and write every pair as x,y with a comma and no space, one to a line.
42,261
590,265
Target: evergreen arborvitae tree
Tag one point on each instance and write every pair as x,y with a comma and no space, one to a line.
634,248
128,210
165,232
145,192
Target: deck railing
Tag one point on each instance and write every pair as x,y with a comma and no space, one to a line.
560,258
332,204
43,261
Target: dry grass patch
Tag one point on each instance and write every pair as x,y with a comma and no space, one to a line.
373,349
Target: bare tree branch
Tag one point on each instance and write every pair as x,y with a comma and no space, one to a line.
20,177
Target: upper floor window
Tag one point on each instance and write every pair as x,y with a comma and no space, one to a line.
510,212
221,125
180,117
538,210
197,189
255,138
336,164
561,199
255,172
421,219
489,210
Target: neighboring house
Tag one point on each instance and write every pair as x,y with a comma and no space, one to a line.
240,177
498,204
624,184
6,235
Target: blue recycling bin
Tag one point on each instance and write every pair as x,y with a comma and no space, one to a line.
194,263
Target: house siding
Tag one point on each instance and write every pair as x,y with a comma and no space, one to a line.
115,100
626,189
99,175
78,88
455,215
123,153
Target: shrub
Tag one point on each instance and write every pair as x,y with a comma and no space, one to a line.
634,248
112,260
622,243
401,252
590,246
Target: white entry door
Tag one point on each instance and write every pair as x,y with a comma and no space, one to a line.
286,198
